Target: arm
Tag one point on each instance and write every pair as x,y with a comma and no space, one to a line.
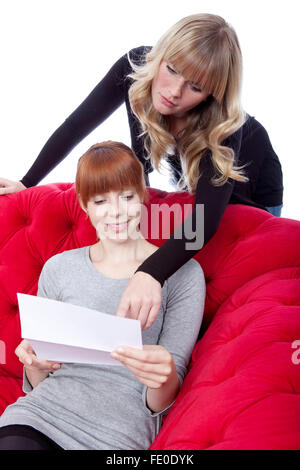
142,297
160,397
178,250
155,368
35,370
161,368
106,97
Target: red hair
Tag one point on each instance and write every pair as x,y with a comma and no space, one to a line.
109,166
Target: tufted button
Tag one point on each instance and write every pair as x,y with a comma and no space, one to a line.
27,221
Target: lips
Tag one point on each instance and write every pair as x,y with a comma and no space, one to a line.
118,227
166,102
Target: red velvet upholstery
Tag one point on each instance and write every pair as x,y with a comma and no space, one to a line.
242,391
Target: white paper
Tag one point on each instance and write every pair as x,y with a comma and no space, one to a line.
63,332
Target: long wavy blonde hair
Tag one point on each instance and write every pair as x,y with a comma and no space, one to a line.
205,50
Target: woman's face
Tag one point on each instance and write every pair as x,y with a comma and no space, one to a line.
172,95
116,214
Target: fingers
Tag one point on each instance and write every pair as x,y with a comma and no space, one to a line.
30,361
148,379
155,368
41,365
148,312
9,187
124,308
6,186
28,358
4,191
24,347
140,311
135,309
153,371
141,299
145,311
4,181
151,366
153,355
152,315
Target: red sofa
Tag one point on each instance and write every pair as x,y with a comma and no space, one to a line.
242,390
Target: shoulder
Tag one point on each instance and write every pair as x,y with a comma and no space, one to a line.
138,54
189,277
64,260
136,57
253,129
125,65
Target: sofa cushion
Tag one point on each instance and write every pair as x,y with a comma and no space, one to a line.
242,391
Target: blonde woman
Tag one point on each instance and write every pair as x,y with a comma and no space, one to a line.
89,406
183,99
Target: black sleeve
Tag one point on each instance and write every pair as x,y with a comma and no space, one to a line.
181,247
106,97
268,188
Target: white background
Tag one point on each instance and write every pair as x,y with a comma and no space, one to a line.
54,52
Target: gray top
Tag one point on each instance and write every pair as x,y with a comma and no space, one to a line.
84,406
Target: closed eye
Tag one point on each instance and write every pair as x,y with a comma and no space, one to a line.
195,88
128,197
171,70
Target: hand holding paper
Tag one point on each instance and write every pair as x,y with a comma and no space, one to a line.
36,369
63,332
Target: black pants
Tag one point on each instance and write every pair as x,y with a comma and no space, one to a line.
21,437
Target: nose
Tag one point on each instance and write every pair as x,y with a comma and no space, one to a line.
114,208
176,87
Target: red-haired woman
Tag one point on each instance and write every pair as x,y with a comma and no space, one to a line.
90,406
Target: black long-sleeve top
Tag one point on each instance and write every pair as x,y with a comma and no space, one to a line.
250,143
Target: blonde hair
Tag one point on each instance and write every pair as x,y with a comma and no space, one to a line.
205,50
